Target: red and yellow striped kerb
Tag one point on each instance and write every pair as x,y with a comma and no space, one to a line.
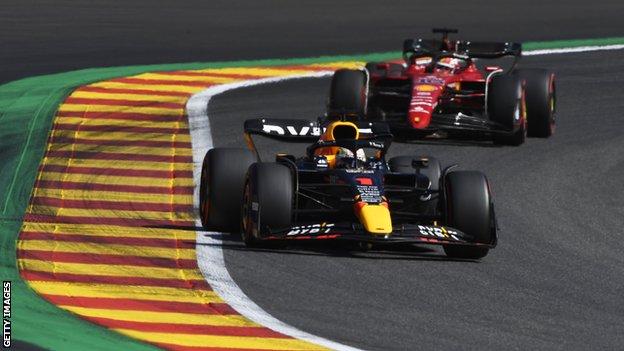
110,230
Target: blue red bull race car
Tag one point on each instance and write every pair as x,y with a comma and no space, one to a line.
439,91
343,188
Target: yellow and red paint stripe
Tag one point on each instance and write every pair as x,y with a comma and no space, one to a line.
109,233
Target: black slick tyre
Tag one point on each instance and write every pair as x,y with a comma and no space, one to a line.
221,187
468,207
540,101
348,93
506,106
267,203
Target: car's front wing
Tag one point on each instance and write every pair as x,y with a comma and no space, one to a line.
407,233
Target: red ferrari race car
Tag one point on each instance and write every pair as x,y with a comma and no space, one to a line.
439,91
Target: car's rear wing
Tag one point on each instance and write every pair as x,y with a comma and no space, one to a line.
485,49
304,131
470,49
291,130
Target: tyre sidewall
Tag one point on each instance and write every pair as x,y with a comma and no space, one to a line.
221,187
468,204
348,92
269,196
507,107
540,92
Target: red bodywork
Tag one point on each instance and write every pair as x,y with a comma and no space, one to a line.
428,88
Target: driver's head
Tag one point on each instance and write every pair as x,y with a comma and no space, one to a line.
346,159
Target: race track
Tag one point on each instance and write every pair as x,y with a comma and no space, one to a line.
555,281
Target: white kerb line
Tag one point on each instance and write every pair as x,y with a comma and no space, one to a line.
209,250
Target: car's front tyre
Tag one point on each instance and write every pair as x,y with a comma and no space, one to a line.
540,101
221,187
468,207
267,201
507,107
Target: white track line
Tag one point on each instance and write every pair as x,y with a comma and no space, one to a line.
572,50
209,249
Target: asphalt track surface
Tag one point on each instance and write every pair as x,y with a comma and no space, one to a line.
47,36
555,281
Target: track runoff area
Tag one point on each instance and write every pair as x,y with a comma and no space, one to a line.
110,232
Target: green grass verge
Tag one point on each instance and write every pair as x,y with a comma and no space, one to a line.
26,111
27,108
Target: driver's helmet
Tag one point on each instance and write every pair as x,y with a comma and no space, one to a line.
339,156
345,158
451,63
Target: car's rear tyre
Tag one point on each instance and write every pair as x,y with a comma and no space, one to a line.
268,201
540,101
348,93
468,208
221,187
506,106
403,164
